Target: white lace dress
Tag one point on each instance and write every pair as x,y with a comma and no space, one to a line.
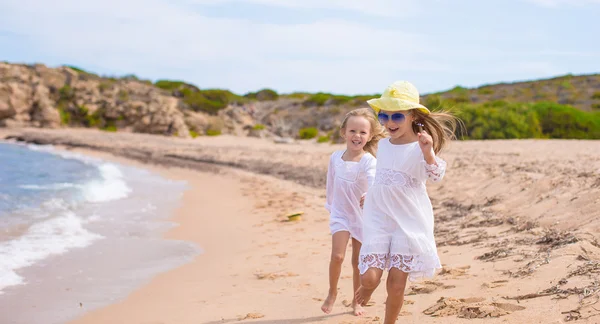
347,181
398,216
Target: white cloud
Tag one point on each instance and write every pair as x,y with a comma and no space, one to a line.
161,39
385,8
155,38
558,3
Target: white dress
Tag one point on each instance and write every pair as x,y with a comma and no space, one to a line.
347,181
398,216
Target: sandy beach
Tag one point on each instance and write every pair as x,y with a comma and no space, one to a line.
516,226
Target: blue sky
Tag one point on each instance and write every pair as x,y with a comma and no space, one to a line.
345,47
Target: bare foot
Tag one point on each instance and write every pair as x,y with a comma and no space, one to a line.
363,295
328,303
357,309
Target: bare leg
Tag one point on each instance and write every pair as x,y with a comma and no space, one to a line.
339,241
356,307
368,283
396,283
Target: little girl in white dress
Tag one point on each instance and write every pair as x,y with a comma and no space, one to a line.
398,216
350,174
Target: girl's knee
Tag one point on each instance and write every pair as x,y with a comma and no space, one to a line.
397,284
337,258
369,281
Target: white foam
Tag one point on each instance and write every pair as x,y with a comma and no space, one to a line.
58,229
112,186
53,186
50,237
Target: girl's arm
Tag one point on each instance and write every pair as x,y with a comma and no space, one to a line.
435,167
329,186
370,169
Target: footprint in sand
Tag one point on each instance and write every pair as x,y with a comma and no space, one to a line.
251,316
494,284
427,287
475,307
273,276
454,272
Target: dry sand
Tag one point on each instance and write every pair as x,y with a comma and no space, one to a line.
516,225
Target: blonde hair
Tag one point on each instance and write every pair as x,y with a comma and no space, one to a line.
377,131
441,125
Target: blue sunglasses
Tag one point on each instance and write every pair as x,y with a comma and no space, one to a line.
396,118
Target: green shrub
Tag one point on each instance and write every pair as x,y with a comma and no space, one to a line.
198,102
258,127
93,120
323,139
566,85
596,95
263,95
213,132
109,128
317,99
561,121
80,70
433,102
66,93
297,95
130,77
65,116
485,91
501,120
193,134
171,85
308,133
210,101
361,100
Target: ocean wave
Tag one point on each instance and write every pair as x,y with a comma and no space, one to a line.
111,186
54,186
53,236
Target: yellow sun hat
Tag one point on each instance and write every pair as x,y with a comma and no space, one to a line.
400,95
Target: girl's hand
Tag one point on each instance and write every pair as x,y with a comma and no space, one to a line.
426,144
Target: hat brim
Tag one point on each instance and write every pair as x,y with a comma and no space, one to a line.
395,104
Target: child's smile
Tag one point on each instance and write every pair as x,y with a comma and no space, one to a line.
357,133
392,130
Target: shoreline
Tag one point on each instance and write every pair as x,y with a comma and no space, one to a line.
218,272
512,219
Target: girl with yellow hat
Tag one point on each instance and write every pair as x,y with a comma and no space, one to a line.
398,216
